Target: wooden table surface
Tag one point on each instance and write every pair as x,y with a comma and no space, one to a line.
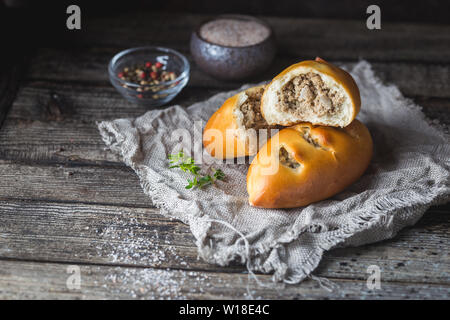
65,200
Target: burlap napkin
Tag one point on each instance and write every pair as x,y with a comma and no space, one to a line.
408,174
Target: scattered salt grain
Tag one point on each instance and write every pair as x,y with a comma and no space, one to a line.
129,238
153,284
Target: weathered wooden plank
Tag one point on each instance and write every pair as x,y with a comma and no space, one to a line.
99,234
350,40
46,101
404,257
56,122
9,84
62,116
335,39
59,124
90,65
58,102
30,280
100,184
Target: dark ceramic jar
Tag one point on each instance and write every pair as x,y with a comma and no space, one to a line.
233,63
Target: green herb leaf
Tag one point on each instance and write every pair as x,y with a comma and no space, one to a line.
219,175
186,164
203,181
190,185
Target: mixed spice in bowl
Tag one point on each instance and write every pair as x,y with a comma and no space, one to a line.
151,76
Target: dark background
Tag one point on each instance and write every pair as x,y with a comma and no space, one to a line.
427,11
31,23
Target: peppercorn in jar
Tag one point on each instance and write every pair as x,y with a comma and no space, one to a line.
146,75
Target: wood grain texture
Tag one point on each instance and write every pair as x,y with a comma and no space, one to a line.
30,280
301,38
413,78
65,200
99,184
10,78
56,122
118,235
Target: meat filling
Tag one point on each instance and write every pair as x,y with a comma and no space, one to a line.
252,112
287,160
305,132
307,95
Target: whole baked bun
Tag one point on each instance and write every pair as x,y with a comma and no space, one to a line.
233,130
311,91
306,163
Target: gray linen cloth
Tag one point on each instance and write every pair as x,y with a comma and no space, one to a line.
409,173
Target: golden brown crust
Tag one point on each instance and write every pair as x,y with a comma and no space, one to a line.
220,121
339,75
215,138
330,160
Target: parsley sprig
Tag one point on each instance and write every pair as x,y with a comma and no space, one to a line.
185,163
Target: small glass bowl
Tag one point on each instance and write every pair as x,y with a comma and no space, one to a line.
153,95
